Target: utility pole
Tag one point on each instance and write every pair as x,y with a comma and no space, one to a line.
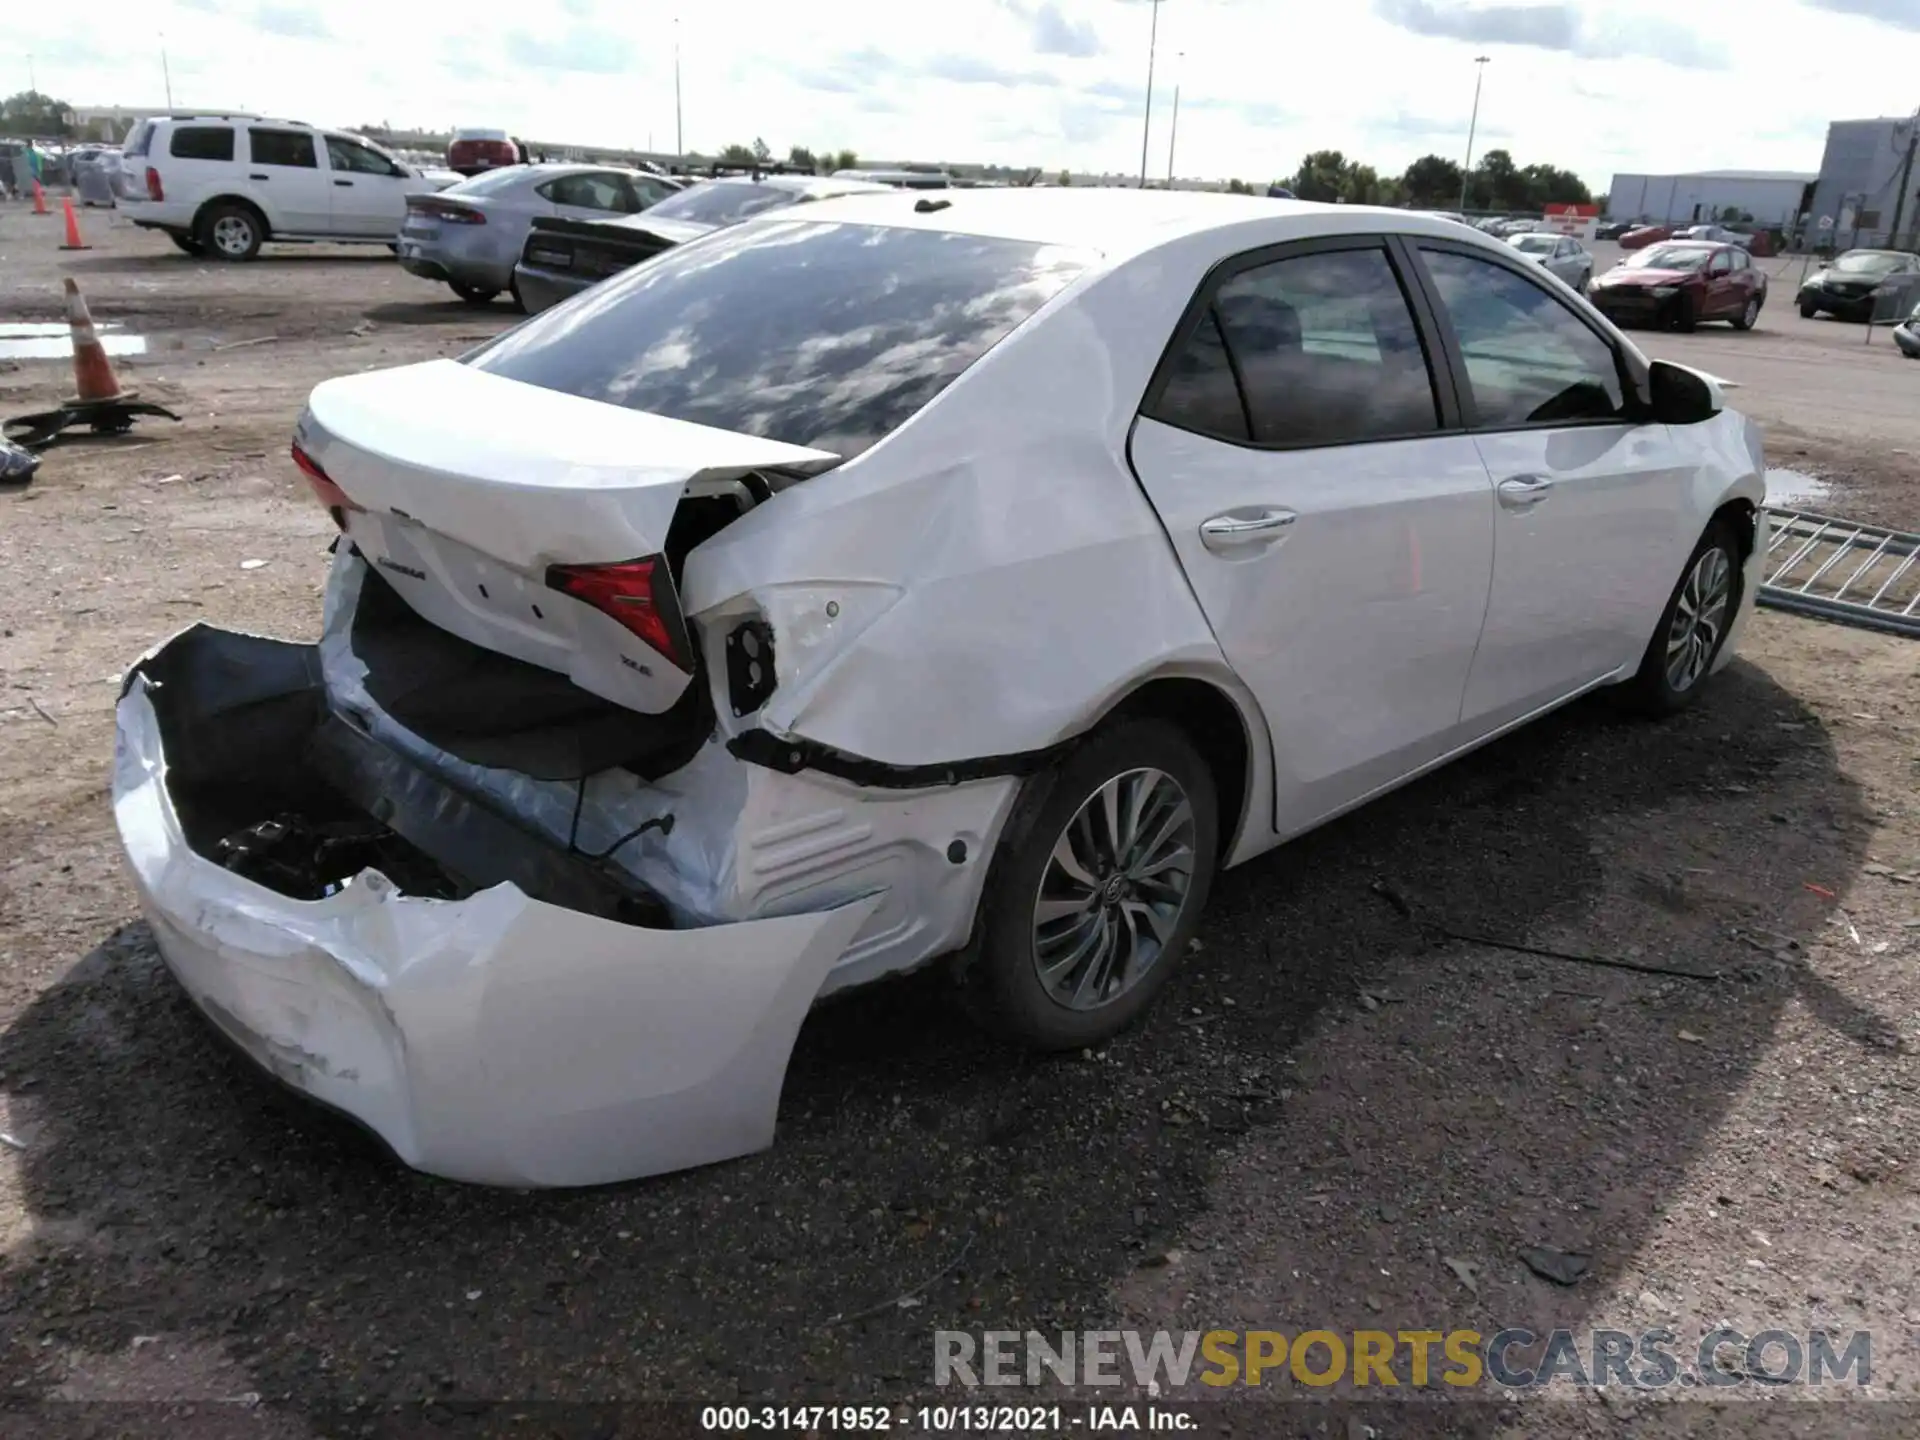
1146,125
1173,135
679,136
166,74
1473,124
1906,179
33,81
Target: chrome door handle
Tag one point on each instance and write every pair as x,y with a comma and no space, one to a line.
1521,491
1243,527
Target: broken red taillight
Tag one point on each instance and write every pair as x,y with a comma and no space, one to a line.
331,495
637,593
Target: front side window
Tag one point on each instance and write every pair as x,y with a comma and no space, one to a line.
1530,360
1327,350
358,159
810,332
1722,264
595,191
201,142
291,148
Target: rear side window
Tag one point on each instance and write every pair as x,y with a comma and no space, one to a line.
201,142
1201,393
292,148
1326,351
804,331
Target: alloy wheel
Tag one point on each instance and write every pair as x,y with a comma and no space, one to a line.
1114,889
1699,618
233,234
1753,313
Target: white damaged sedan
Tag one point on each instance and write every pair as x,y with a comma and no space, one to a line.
969,577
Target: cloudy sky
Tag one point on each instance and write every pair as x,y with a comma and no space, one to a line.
1595,85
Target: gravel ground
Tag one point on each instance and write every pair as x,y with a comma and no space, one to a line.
1329,1105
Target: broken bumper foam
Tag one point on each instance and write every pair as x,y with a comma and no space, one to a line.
496,1039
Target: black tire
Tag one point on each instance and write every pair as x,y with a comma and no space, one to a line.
393,249
1652,690
1001,970
186,243
1808,312
230,232
513,294
1748,316
472,294
1681,314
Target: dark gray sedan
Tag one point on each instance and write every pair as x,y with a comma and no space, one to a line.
564,256
468,235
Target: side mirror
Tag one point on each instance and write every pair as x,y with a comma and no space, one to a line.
1682,396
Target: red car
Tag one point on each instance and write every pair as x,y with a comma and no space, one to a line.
1676,284
473,152
1642,236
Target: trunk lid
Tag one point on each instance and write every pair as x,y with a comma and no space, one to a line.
484,501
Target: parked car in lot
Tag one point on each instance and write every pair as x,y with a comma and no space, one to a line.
1612,229
1560,255
224,185
1907,335
564,256
474,151
1641,236
1846,287
900,179
1677,284
95,170
833,596
1712,235
468,236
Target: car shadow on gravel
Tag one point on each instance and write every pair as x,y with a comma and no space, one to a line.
442,312
923,1177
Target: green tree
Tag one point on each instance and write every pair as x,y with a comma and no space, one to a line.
1239,187
846,160
1066,177
1360,185
801,158
1432,182
1320,176
761,150
36,116
737,155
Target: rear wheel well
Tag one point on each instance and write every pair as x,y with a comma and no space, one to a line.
1213,723
220,202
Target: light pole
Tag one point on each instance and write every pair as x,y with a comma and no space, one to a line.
679,136
1173,133
166,74
33,81
1466,170
1146,124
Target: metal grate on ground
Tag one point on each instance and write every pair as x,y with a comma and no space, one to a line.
1843,571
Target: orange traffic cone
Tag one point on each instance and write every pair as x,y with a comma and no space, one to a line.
92,375
74,242
39,200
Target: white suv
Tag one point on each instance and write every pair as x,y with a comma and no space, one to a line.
223,185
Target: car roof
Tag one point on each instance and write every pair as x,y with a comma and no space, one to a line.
818,186
1118,222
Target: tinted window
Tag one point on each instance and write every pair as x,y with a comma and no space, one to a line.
599,191
351,155
1327,350
723,202
283,147
1201,392
1530,360
808,332
201,142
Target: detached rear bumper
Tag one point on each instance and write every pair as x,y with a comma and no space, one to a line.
496,1039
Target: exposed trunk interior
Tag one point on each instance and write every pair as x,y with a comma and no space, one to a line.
269,783
491,709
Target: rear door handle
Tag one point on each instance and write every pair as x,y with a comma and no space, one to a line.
343,182
259,177
1235,528
1522,492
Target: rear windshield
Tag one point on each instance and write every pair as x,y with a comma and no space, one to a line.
489,180
723,202
803,331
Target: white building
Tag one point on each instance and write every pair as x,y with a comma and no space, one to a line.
1768,197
